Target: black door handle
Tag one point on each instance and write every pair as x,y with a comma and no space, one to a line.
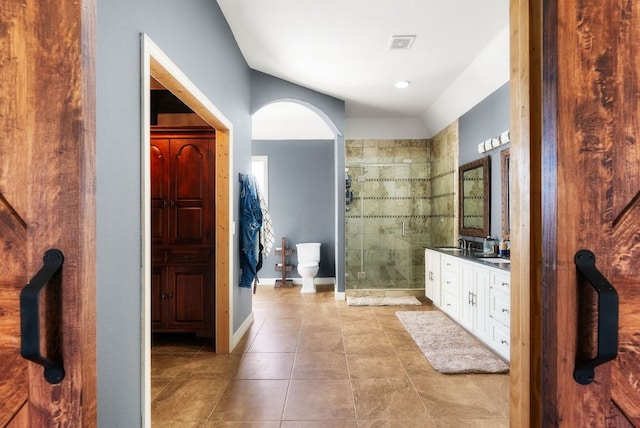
607,318
30,316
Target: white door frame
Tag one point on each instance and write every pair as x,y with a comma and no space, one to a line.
155,63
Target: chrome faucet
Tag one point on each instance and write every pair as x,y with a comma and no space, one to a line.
462,243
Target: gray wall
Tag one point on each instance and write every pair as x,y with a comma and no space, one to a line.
487,119
301,199
266,89
196,37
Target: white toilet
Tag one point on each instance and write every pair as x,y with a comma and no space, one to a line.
308,263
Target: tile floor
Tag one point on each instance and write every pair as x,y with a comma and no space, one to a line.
311,361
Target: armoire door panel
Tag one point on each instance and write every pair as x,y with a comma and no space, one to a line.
189,168
188,226
190,176
159,190
190,283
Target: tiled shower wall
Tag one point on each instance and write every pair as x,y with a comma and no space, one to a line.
403,200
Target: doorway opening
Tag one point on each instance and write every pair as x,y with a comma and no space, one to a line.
156,65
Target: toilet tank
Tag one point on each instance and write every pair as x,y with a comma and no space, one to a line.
308,251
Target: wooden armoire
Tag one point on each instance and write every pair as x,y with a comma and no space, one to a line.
182,230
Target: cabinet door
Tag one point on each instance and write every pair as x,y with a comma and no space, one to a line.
432,276
482,282
191,191
467,296
160,198
158,294
189,297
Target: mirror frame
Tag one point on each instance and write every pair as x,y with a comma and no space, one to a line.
505,174
485,164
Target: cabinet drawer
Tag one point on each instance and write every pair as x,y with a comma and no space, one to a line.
500,338
189,256
449,264
450,282
500,305
451,305
501,281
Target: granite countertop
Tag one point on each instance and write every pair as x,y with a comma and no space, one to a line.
475,256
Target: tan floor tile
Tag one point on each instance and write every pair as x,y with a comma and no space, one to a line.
319,424
281,325
387,399
319,400
176,343
174,424
244,344
397,423
168,366
157,385
265,365
374,343
251,400
472,423
375,366
187,400
369,374
274,342
240,424
320,365
455,395
401,341
416,364
321,342
210,364
333,328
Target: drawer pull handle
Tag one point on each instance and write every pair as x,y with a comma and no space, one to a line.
504,310
30,316
584,372
504,342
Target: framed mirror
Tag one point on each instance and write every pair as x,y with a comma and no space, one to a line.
475,198
506,202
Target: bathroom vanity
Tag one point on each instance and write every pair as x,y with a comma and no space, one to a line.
473,291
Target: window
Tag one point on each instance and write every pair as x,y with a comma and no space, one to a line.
260,170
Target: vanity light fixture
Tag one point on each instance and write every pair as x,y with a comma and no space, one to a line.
402,84
495,142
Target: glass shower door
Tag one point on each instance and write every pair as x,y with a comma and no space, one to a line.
387,226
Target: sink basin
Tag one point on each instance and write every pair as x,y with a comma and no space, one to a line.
486,255
496,260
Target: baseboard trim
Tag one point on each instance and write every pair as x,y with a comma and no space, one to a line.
297,281
239,334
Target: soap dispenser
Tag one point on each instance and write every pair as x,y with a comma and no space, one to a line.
487,245
503,248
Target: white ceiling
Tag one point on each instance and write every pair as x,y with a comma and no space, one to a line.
341,48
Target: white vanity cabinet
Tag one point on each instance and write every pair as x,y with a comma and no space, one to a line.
474,294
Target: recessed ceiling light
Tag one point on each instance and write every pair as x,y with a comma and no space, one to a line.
402,84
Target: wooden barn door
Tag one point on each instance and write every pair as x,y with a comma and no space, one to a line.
47,193
591,201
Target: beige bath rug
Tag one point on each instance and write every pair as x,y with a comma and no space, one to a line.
447,346
383,301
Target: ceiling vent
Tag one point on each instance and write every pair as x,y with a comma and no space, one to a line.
402,42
